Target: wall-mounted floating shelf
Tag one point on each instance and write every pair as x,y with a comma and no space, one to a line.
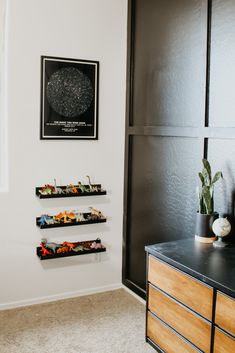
62,193
86,245
71,223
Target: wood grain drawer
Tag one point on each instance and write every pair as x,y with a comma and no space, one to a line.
225,313
188,324
166,338
187,290
223,343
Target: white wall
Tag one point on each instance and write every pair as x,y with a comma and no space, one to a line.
3,113
82,29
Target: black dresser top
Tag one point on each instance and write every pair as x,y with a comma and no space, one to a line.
214,266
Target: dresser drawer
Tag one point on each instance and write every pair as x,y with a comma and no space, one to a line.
223,343
188,324
166,338
187,290
225,313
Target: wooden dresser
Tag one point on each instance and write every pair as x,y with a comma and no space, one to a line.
189,308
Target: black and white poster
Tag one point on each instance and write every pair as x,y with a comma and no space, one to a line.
69,98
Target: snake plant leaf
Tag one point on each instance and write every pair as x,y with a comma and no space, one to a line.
211,190
206,177
217,176
201,178
207,166
202,208
206,171
206,193
199,195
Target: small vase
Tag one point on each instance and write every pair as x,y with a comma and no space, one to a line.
203,229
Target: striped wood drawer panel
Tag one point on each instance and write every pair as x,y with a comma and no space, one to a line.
225,313
188,324
223,343
165,338
182,287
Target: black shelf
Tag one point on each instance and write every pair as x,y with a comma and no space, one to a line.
79,194
69,253
70,224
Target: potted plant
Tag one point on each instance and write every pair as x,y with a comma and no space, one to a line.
206,214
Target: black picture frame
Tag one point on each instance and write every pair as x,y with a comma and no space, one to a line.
69,99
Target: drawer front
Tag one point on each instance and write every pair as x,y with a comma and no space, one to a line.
223,343
225,313
189,325
166,338
187,290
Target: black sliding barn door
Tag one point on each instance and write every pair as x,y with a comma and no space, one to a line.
180,107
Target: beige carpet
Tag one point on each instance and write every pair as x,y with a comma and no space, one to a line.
111,322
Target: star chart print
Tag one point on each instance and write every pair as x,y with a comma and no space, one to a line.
69,98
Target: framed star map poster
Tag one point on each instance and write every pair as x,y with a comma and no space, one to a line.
69,98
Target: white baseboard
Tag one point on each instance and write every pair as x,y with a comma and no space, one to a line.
134,295
60,296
